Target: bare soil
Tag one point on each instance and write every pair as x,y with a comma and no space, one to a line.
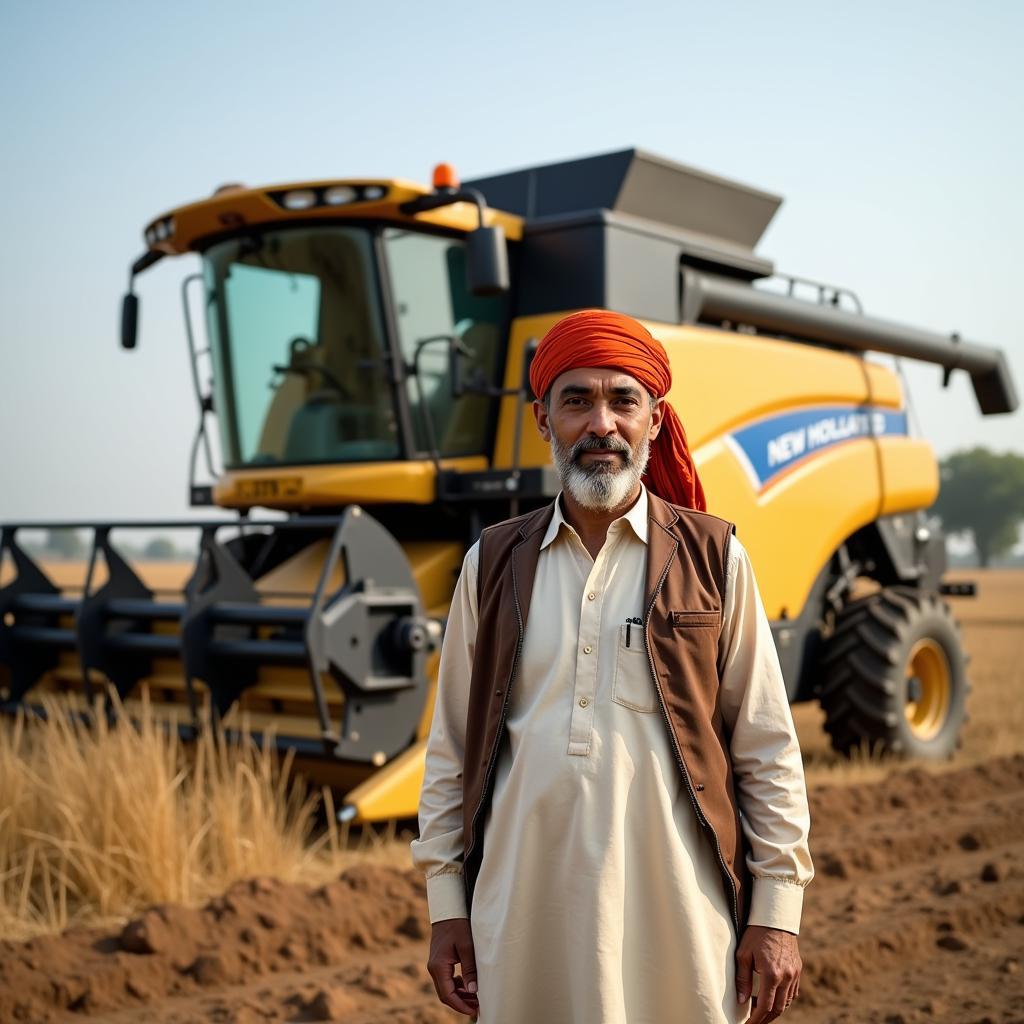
917,914
917,910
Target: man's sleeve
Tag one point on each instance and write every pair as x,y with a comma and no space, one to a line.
766,758
438,851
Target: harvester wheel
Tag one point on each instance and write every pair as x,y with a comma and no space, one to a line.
894,676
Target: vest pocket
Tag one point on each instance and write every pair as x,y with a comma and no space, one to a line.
681,620
632,686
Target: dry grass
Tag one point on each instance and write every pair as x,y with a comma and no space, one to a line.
98,821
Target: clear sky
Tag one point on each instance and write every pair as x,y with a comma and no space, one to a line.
892,129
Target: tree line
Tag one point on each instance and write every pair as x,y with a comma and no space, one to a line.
70,544
982,495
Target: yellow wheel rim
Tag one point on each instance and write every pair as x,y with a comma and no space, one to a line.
928,688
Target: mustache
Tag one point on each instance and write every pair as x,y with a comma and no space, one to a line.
600,444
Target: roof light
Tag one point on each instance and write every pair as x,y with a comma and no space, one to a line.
299,199
339,195
445,177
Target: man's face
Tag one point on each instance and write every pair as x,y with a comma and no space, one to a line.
600,423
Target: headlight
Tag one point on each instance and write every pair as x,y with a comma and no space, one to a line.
339,195
299,199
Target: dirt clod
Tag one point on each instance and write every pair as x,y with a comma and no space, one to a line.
968,841
329,1004
993,871
414,927
147,934
210,969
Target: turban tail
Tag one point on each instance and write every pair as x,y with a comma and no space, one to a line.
598,338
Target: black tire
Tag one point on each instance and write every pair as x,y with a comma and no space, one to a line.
894,676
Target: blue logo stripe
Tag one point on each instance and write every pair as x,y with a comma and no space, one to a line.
772,445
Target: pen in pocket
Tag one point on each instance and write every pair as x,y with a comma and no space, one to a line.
630,622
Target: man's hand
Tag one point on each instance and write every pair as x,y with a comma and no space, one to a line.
774,955
451,943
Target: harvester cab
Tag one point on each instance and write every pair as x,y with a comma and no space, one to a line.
368,346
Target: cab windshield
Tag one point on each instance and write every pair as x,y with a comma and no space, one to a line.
301,355
298,348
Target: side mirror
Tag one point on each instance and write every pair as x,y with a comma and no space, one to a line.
129,320
130,304
486,250
487,261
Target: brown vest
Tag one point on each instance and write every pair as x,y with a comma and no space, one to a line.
687,556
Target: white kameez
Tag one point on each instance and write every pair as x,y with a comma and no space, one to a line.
599,901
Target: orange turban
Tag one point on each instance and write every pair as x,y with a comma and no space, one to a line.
598,338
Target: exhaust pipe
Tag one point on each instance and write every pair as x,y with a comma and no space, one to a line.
710,298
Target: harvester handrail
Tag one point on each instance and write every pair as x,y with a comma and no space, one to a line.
823,288
204,403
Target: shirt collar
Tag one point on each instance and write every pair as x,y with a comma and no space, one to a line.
636,517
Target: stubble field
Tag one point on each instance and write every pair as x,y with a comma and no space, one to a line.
916,914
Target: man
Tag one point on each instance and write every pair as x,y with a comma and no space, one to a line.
614,793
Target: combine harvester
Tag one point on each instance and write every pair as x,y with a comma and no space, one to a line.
368,344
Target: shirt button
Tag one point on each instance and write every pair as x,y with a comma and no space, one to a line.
583,702
591,596
587,649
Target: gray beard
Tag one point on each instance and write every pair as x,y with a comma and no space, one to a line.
598,486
